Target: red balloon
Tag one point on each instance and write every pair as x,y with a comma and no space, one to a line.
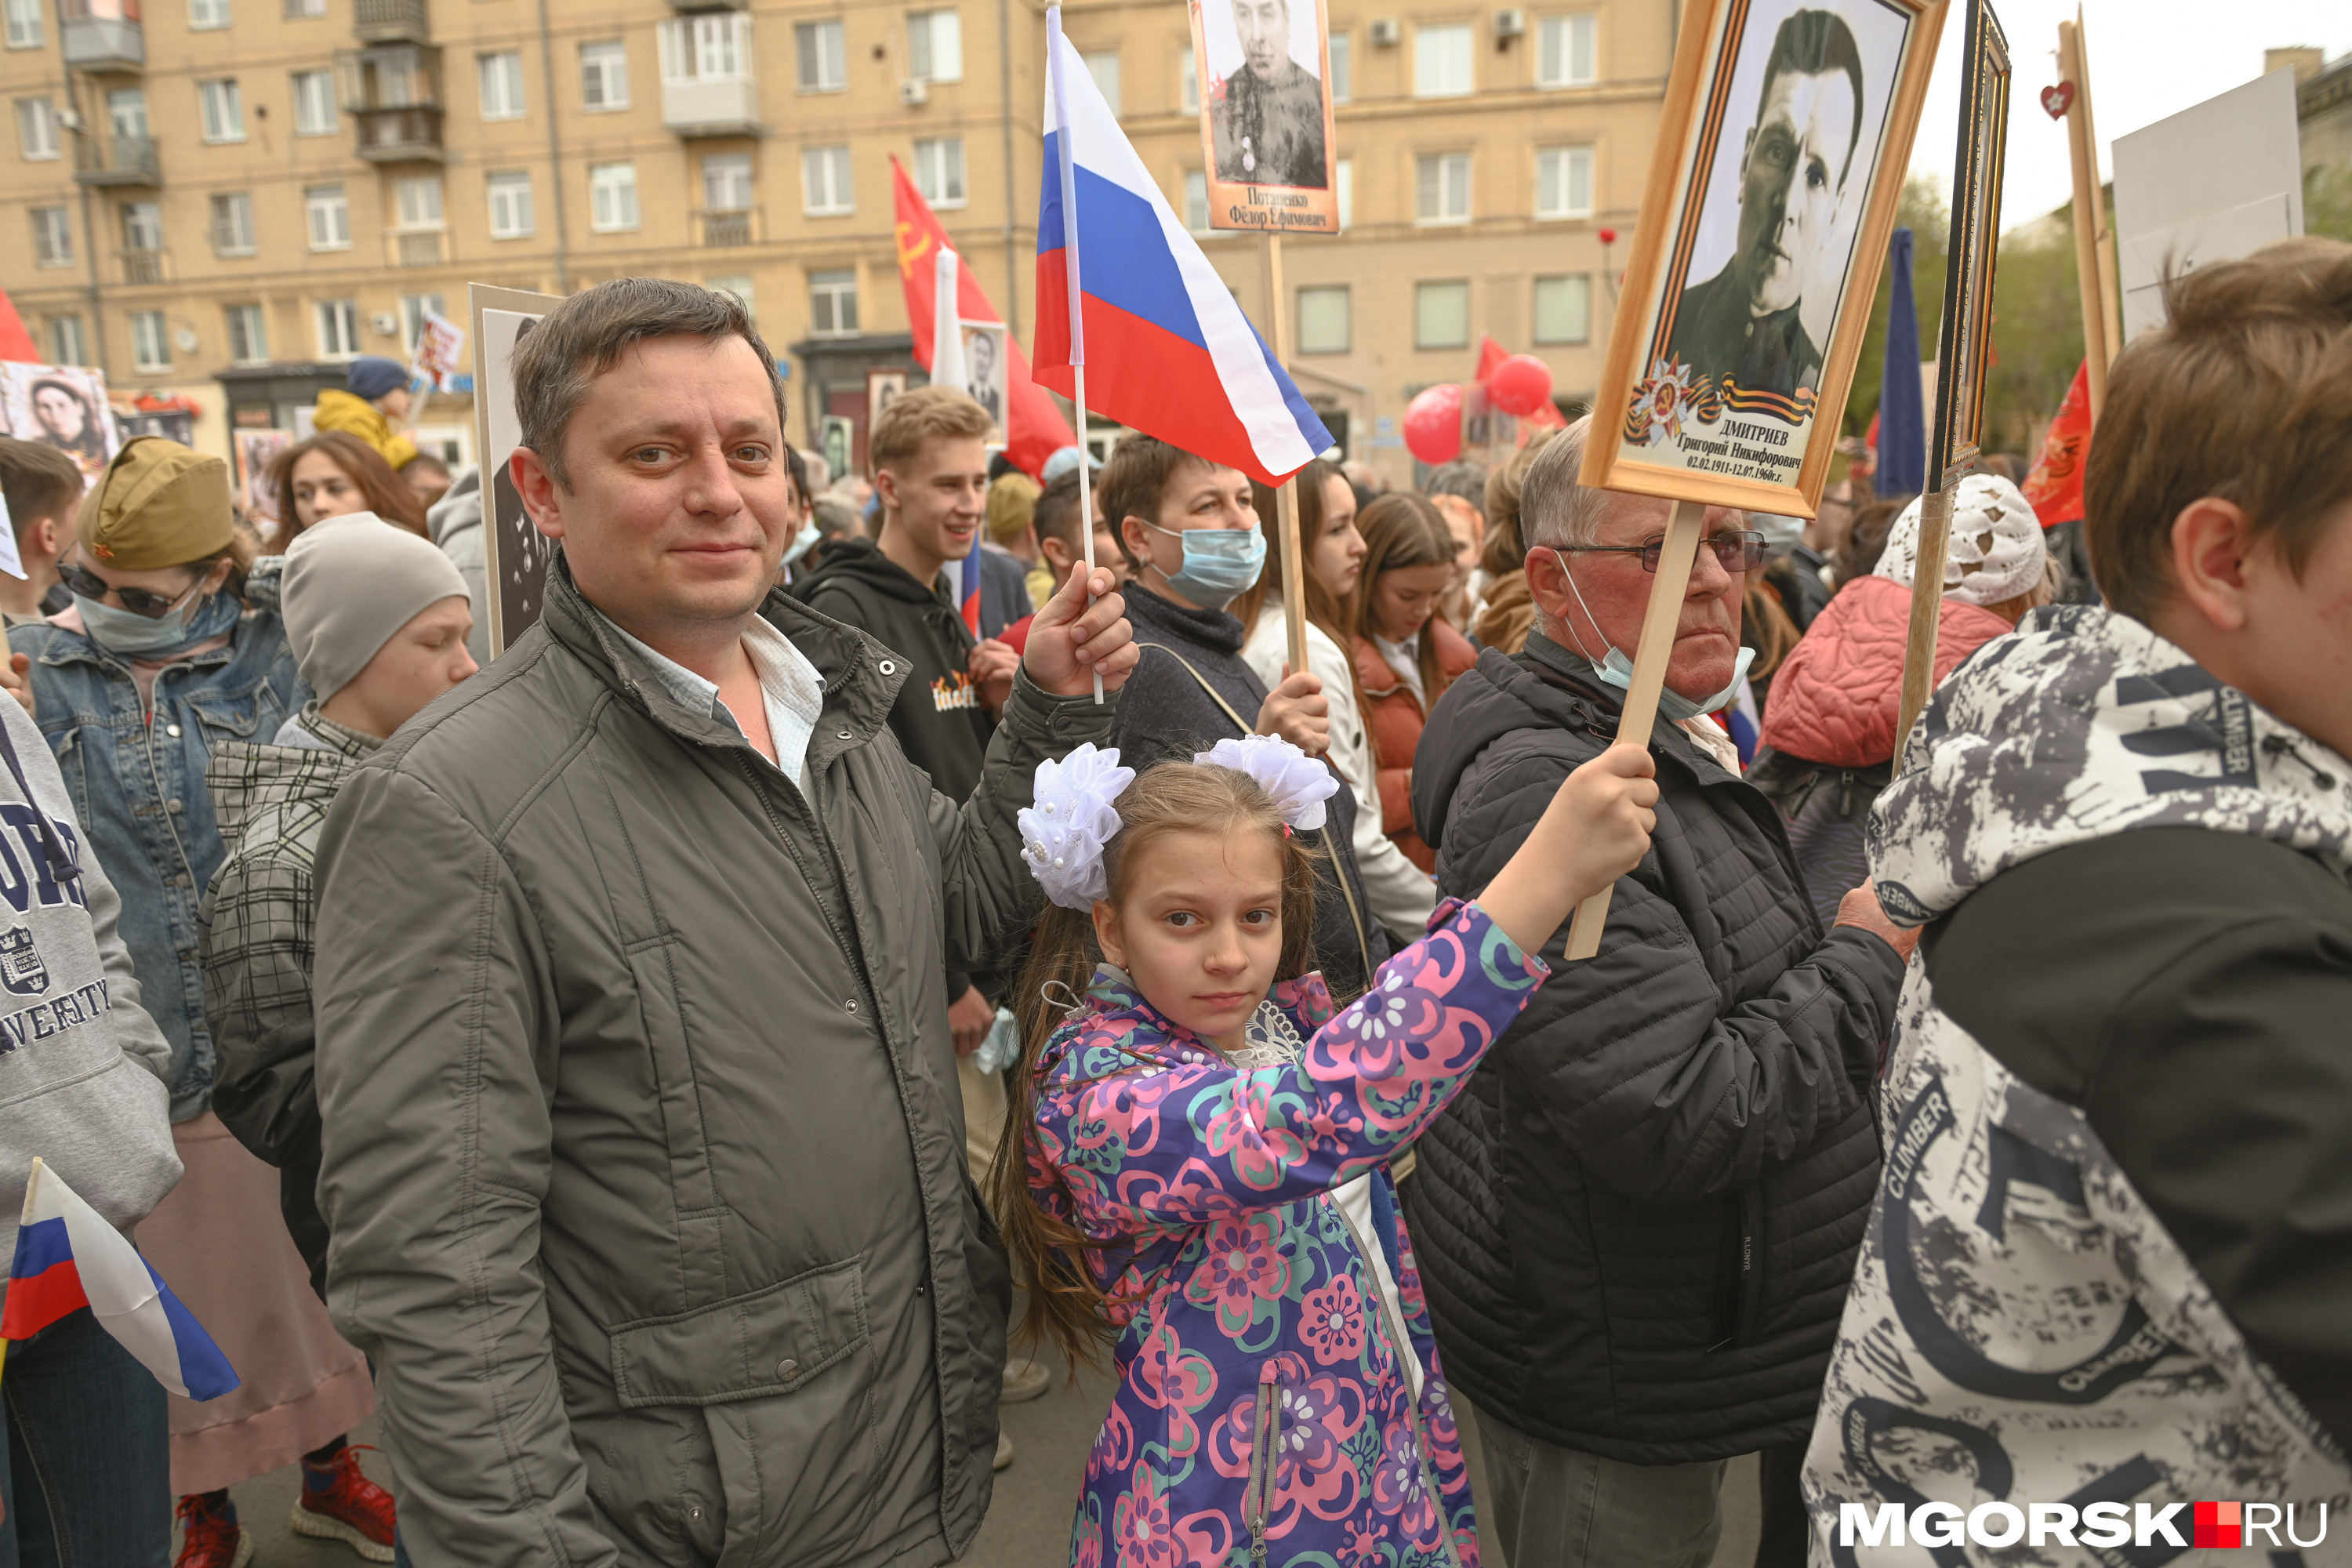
1520,385
1608,236
1433,424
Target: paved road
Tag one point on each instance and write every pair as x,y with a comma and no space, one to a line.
1028,1525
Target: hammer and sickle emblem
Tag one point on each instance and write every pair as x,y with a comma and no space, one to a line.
909,253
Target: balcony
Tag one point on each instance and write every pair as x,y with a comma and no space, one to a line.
102,42
123,161
143,265
728,226
389,21
399,135
417,250
706,108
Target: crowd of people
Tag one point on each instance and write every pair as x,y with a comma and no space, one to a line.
644,1071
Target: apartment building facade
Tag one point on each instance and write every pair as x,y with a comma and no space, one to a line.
229,199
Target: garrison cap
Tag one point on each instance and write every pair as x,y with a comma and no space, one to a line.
158,504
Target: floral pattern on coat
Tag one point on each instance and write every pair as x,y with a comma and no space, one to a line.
1262,1402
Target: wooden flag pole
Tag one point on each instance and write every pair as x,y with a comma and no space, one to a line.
2110,294
1926,607
1659,622
2089,211
1286,494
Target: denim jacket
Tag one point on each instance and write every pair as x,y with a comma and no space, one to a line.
138,785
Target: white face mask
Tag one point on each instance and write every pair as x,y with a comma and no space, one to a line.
1617,671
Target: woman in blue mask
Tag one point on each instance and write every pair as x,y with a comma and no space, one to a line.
172,646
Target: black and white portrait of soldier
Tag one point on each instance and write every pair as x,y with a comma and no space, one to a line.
1269,122
1798,170
983,371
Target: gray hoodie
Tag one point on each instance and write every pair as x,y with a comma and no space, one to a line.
455,521
81,1064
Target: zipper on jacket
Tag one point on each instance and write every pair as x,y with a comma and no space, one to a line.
1265,1431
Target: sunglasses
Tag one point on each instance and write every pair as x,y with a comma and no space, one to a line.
1737,551
138,601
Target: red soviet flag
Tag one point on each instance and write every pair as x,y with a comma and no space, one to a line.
16,343
1034,427
2054,488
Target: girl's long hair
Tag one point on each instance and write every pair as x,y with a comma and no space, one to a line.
388,495
1322,609
1400,529
1049,1254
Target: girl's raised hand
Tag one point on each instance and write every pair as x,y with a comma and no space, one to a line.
1596,829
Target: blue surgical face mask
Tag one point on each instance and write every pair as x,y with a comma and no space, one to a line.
120,631
1220,563
803,542
1617,671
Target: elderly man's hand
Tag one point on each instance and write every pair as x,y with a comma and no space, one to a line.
1071,642
1298,713
17,678
1862,910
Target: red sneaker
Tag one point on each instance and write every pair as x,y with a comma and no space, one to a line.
208,1540
353,1509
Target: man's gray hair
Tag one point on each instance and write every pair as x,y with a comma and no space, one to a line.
1463,478
1555,510
558,357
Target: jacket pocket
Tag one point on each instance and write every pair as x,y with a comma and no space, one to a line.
771,1340
226,718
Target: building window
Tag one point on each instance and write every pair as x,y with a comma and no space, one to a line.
52,237
339,329
716,47
1441,61
824,55
249,340
412,316
1188,82
935,46
142,227
1346,171
65,345
416,201
1103,66
23,24
501,85
1564,182
832,304
126,112
1564,310
604,76
224,110
1564,52
825,176
151,342
205,14
314,103
939,170
613,198
1442,188
1196,200
1323,320
726,181
302,10
742,288
1343,67
511,210
36,128
1441,315
233,225
329,216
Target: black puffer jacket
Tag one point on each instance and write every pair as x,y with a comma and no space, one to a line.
1637,1226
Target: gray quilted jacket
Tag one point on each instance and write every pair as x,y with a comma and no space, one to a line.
642,1147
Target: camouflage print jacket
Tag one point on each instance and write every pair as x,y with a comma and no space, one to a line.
254,933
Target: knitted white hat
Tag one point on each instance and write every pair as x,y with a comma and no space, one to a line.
350,583
1995,552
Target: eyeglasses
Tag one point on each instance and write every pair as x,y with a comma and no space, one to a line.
138,601
1737,551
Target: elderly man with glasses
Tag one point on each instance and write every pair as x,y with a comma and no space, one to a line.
1637,1225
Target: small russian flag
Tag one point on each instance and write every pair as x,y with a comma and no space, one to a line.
67,1258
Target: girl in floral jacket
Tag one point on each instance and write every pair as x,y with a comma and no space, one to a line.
1195,1173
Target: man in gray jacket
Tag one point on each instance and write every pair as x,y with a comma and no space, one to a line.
643,1157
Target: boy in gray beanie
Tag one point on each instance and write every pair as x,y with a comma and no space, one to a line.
378,620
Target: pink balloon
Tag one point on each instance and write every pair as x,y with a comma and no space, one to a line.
1433,424
1520,385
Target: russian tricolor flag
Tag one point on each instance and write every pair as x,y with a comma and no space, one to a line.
1166,348
67,1258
